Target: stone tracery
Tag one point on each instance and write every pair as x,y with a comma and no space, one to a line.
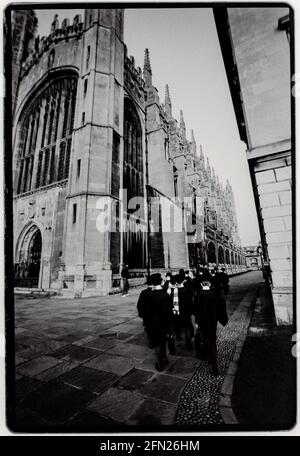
46,136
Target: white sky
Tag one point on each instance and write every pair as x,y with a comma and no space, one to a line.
185,53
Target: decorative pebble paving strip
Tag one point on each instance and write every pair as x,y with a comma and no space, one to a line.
199,402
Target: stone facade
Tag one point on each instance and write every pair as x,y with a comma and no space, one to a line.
253,257
256,52
87,124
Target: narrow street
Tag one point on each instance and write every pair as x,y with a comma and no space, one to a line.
85,363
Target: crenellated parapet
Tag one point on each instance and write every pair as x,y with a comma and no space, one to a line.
134,83
37,47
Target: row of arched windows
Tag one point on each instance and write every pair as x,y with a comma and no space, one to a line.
46,136
228,258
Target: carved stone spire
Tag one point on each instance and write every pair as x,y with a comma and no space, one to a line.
213,174
201,156
55,23
147,68
208,165
182,125
193,136
168,104
193,143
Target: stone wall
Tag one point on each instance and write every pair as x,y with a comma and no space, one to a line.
262,55
273,178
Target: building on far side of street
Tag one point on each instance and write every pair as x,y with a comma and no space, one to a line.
253,257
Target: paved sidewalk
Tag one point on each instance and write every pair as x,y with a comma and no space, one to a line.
83,364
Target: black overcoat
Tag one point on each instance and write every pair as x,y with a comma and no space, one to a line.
209,308
158,315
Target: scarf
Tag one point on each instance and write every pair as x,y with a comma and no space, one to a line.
175,302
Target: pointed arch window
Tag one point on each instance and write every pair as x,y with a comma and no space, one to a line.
52,166
61,161
46,167
45,136
133,183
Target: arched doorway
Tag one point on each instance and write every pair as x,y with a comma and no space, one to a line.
27,268
211,253
221,255
227,257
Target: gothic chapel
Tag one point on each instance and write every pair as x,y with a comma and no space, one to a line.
86,123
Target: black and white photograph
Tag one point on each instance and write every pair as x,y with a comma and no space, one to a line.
149,166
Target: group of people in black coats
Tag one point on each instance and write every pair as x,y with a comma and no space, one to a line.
185,303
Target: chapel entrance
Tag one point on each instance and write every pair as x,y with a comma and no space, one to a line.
27,270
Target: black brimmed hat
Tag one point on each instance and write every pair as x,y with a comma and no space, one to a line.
155,279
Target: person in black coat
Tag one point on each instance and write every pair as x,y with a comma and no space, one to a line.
217,280
167,281
125,281
209,308
188,281
182,299
156,308
224,277
201,275
143,305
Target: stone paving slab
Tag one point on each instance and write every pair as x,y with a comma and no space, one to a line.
138,339
20,360
92,380
25,386
36,366
57,401
75,354
134,379
111,363
129,350
153,412
116,404
30,418
86,420
183,367
56,371
101,343
164,387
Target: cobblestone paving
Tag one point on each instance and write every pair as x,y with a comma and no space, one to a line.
198,404
84,364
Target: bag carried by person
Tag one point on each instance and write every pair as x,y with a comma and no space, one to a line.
171,344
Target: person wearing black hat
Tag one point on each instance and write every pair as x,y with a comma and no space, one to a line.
143,305
159,314
167,281
187,279
125,281
209,308
217,283
202,274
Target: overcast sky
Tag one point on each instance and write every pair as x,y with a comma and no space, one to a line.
185,53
